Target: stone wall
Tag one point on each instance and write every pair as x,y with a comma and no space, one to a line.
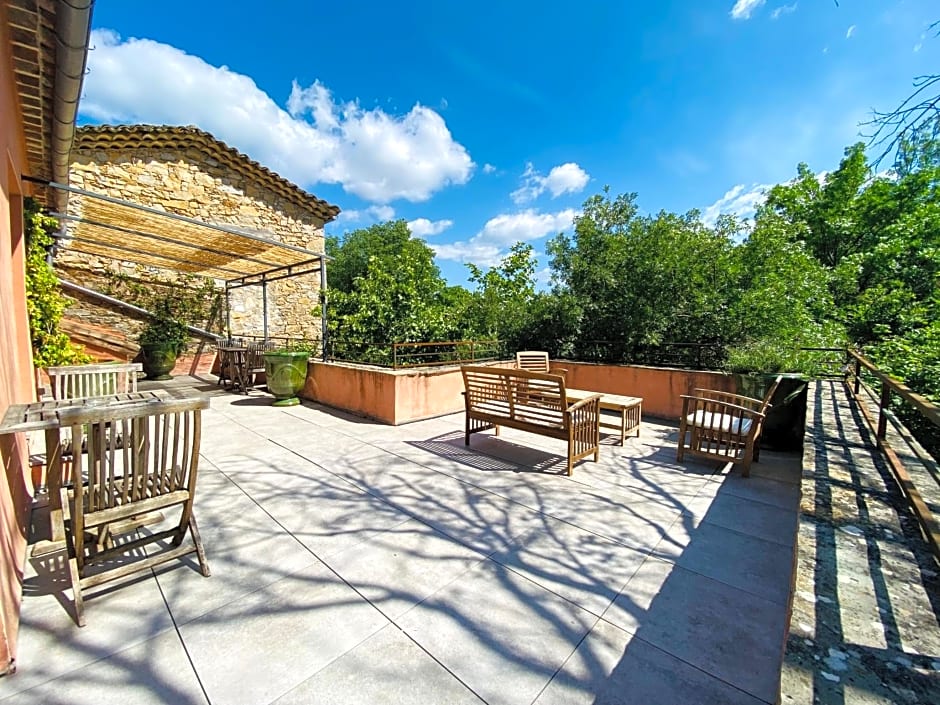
189,183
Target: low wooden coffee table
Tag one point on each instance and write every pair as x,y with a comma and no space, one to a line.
630,408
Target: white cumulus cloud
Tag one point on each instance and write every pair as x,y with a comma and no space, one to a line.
380,212
783,10
562,179
743,9
740,201
373,154
422,227
488,168
499,233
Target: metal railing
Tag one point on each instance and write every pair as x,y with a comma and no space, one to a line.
451,352
403,355
890,393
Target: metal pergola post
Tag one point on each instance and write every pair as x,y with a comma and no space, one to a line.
323,307
264,308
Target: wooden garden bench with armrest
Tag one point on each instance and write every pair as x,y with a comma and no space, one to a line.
531,401
723,426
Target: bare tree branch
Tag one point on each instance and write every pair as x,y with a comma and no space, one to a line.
920,108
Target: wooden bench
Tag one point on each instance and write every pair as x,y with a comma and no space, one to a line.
531,401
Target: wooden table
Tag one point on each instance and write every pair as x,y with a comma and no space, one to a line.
629,408
47,416
235,356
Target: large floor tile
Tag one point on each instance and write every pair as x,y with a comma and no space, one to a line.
258,648
400,567
150,673
387,668
578,565
613,667
119,614
499,633
730,634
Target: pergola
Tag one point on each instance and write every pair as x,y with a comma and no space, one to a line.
110,227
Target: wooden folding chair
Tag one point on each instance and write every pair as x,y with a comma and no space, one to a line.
154,469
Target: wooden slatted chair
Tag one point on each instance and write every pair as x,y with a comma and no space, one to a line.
723,426
154,469
83,381
76,381
254,361
536,361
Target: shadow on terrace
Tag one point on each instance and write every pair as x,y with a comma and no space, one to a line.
358,562
355,561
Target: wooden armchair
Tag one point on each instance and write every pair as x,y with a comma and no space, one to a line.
723,426
154,469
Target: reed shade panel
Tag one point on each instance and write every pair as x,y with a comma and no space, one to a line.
104,226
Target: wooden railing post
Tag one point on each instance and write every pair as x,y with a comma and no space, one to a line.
882,410
858,376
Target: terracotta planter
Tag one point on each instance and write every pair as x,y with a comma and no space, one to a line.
158,360
786,418
286,374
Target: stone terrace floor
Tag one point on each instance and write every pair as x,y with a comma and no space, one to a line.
354,562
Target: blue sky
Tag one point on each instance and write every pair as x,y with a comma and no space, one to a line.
490,122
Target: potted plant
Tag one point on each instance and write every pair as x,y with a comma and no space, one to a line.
755,365
161,341
286,373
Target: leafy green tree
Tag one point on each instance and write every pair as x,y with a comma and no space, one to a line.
500,302
385,288
44,301
641,281
824,214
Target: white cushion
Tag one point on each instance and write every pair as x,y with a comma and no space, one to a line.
719,422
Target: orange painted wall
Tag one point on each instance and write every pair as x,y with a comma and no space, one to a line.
16,370
361,390
401,396
659,387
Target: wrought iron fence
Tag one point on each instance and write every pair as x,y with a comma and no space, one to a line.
400,355
695,356
447,353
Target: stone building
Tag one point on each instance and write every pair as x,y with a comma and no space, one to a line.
187,172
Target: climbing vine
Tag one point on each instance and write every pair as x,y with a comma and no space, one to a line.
44,301
186,300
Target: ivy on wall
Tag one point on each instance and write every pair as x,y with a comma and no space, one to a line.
187,300
44,301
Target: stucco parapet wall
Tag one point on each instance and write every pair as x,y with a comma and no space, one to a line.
401,396
172,140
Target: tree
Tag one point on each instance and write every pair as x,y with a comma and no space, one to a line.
500,303
918,114
386,289
642,281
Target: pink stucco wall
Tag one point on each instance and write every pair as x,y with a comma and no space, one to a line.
16,369
401,396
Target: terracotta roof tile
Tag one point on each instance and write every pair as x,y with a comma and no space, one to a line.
118,137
